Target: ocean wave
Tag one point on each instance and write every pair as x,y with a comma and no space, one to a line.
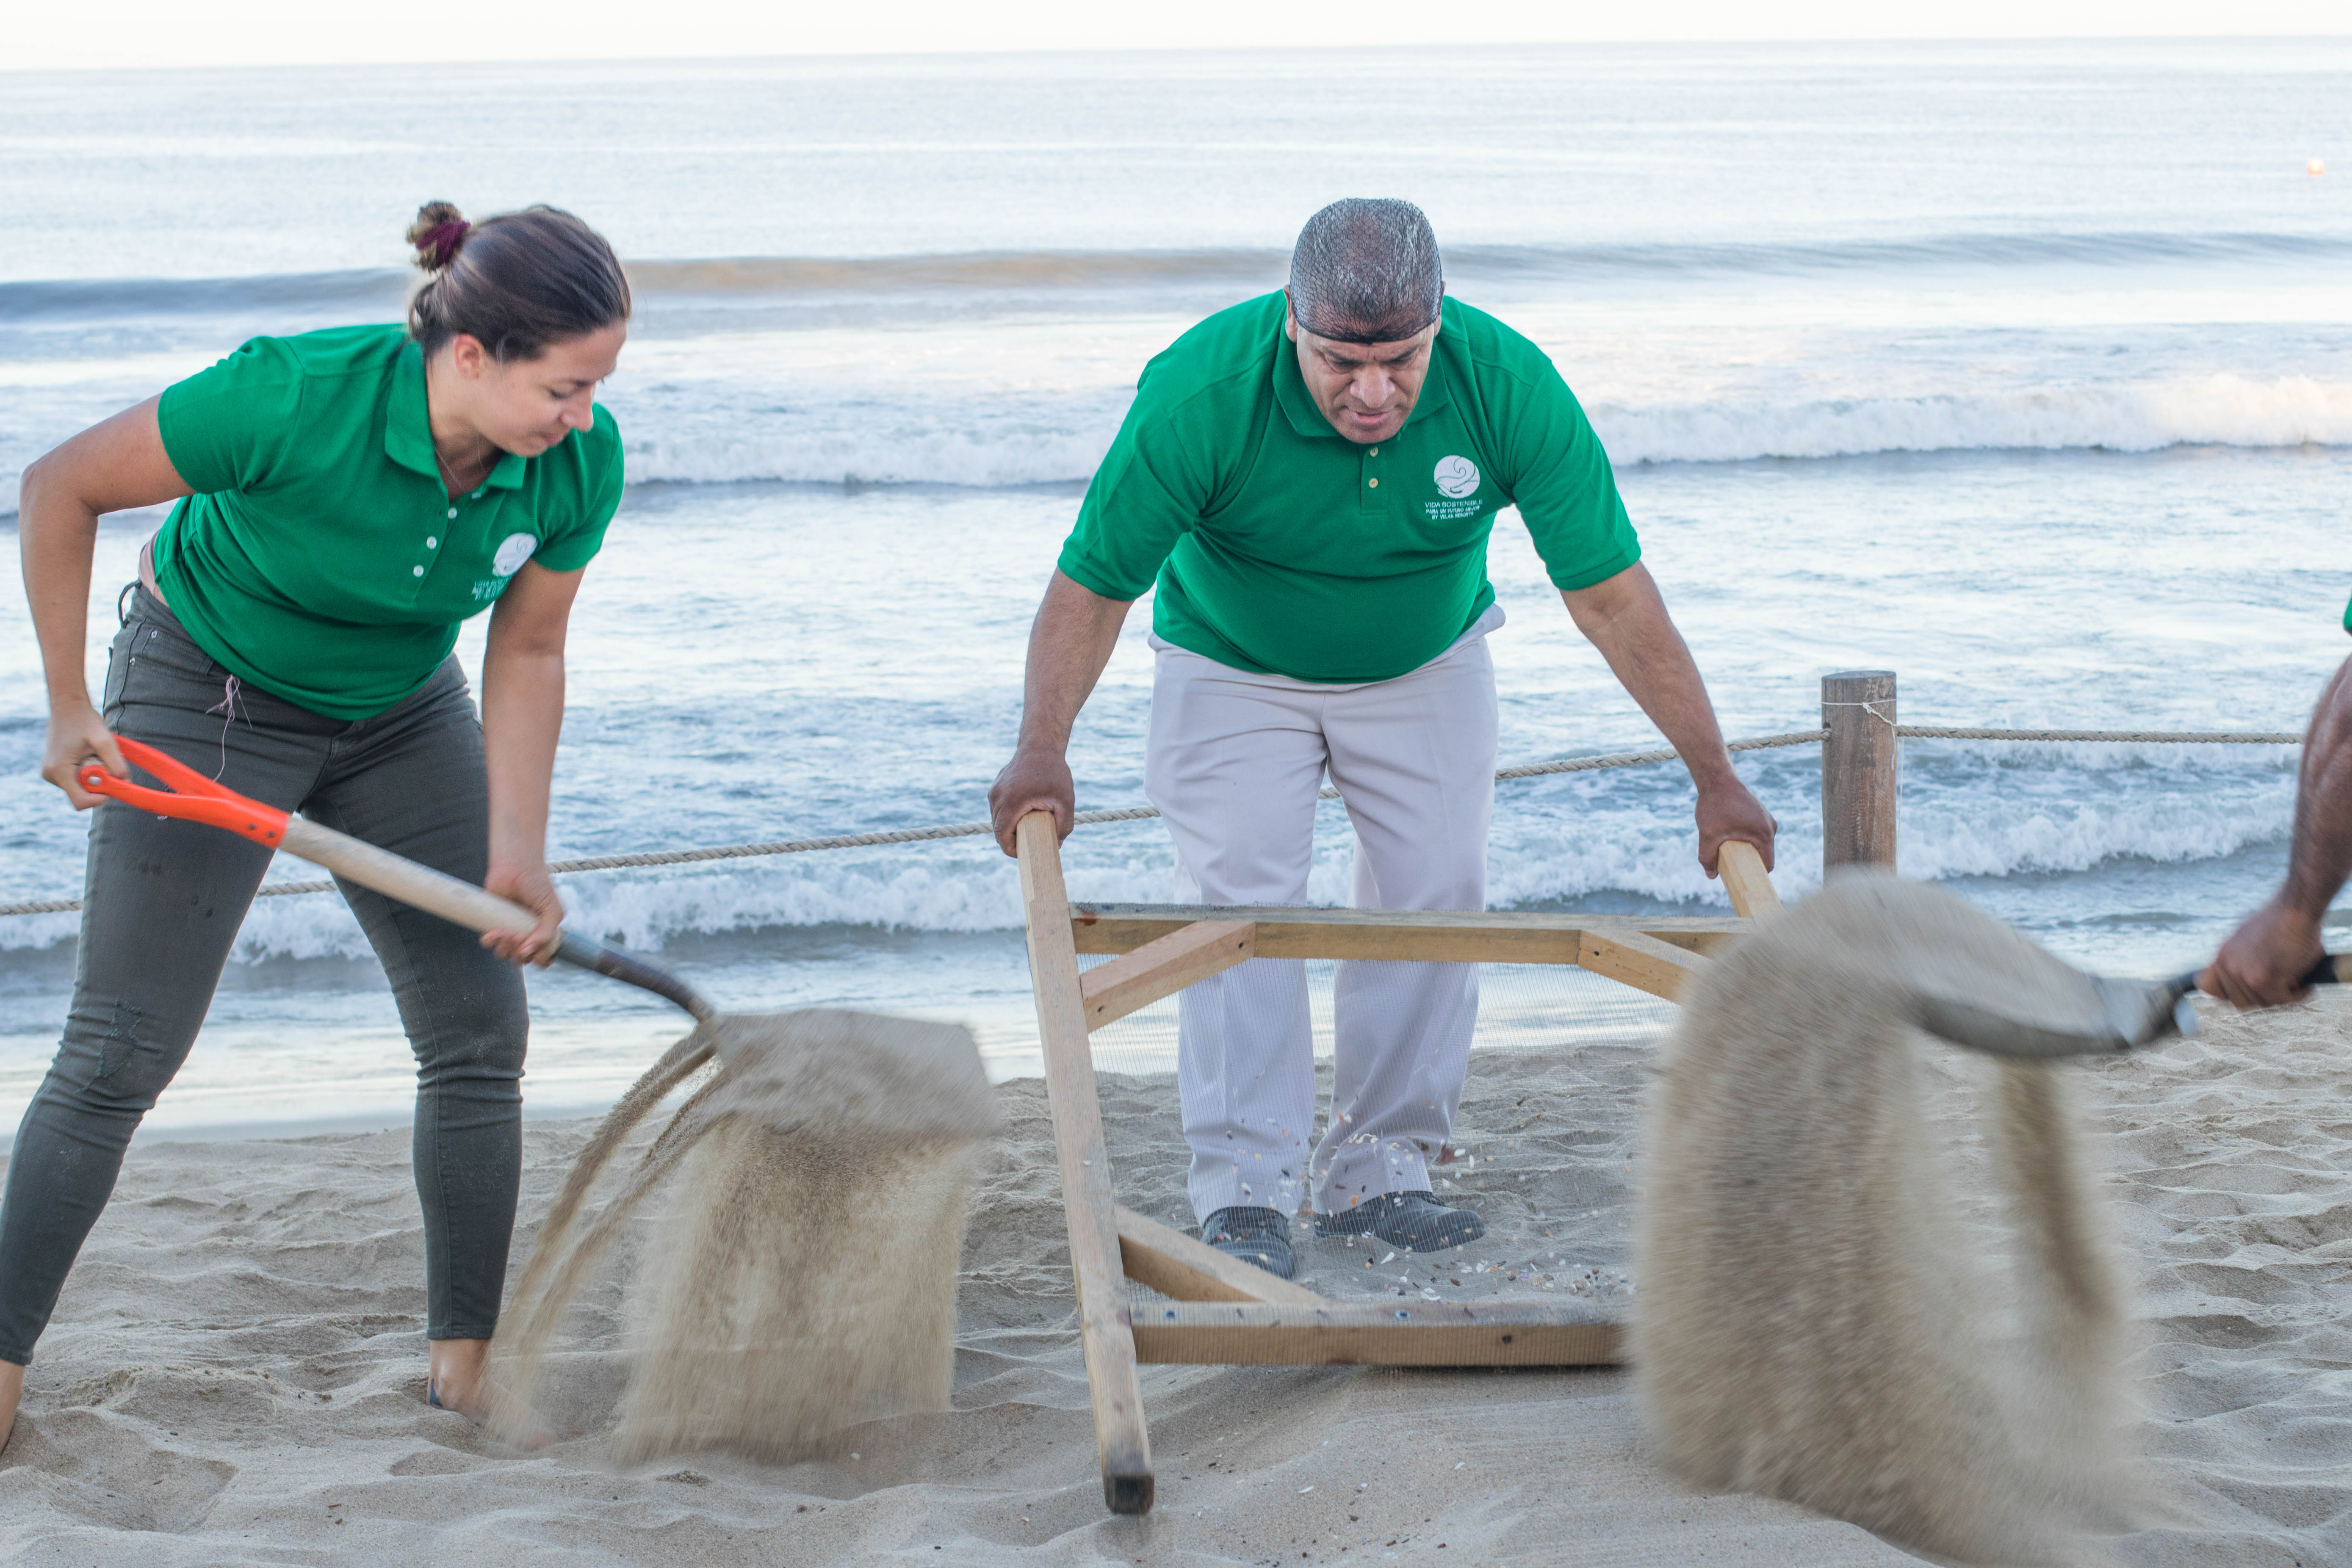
372,293
968,457
2215,410
2079,834
1968,818
2121,248
380,290
2125,416
992,449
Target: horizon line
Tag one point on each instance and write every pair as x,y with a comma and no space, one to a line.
982,51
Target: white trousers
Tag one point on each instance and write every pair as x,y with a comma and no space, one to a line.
1234,761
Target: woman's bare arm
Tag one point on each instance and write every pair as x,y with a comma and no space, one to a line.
522,718
113,466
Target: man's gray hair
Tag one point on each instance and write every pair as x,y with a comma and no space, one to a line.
1366,271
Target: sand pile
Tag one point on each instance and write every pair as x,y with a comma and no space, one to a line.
802,1279
1816,1319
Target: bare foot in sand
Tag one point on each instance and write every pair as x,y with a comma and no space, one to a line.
459,1379
11,1390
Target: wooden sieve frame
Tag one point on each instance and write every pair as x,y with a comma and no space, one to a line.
1225,1311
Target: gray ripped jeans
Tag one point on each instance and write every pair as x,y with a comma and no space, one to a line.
163,901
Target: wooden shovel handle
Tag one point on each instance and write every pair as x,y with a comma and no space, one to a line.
464,904
393,876
1742,870
192,797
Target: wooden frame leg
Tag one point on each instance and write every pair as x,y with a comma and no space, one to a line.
1105,1327
1744,878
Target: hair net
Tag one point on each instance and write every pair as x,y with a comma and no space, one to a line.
1366,271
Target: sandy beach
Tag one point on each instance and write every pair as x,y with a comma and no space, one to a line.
234,1373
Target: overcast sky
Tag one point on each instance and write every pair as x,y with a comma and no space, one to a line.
54,34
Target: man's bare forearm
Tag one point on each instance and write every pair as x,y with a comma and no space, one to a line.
1069,644
2321,857
1626,619
2263,962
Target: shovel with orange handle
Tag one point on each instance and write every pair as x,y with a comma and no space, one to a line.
192,797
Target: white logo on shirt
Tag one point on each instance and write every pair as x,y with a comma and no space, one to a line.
516,547
1456,477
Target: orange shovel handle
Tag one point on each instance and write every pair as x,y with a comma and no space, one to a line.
192,798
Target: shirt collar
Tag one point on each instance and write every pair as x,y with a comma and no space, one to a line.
408,426
1298,404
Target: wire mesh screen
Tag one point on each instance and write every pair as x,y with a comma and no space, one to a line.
1541,1150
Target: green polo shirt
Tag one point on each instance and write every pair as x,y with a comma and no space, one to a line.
1280,546
321,557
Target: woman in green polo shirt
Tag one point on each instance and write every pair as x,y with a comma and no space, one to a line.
346,498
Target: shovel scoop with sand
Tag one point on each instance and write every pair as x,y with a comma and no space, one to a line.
804,1278
1818,1321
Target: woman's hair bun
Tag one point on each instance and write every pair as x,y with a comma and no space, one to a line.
515,281
439,229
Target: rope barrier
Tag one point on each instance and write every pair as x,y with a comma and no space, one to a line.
1628,758
2148,737
1137,812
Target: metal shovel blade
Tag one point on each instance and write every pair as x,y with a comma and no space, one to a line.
2116,1015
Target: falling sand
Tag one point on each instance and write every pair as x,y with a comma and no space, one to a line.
1818,1321
802,1275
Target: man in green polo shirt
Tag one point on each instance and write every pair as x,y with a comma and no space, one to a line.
1310,478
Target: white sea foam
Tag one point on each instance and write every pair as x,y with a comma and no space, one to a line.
673,438
971,455
986,449
1602,847
2125,416
2128,416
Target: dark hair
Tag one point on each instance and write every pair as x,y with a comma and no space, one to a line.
518,281
1366,270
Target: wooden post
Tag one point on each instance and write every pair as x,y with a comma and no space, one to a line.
1106,1331
1859,763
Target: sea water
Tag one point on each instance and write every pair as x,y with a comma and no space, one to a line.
2024,371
